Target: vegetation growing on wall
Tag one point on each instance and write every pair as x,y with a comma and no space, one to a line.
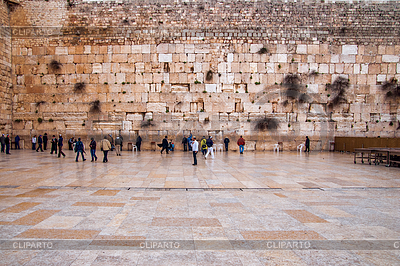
391,89
338,89
79,87
95,107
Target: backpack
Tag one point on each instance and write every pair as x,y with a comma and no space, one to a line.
209,143
79,146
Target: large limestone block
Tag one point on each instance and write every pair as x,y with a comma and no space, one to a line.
156,107
349,49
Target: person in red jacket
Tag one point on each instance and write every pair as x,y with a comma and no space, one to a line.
241,144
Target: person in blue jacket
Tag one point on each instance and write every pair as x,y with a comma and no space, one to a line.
79,149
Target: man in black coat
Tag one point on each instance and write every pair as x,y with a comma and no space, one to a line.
40,142
138,142
45,141
226,141
7,142
3,142
54,143
185,143
60,146
307,144
165,144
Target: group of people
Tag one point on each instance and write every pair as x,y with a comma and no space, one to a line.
5,143
107,144
206,146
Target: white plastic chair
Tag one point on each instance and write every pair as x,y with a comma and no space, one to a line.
300,147
276,147
134,147
220,147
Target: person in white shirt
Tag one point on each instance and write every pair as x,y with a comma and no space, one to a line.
195,149
34,140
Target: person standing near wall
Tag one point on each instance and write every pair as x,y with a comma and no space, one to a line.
184,143
92,146
71,144
241,144
7,142
17,139
54,143
307,144
138,142
3,142
195,149
165,145
226,141
118,144
60,146
34,143
45,139
105,146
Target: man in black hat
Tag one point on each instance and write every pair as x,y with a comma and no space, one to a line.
165,144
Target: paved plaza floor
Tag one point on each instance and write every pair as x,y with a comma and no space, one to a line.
144,208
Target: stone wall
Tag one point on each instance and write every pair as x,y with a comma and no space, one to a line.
266,70
5,70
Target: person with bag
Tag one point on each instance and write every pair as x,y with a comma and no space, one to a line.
79,148
105,146
241,144
210,144
203,145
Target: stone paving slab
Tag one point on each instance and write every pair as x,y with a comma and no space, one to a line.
146,208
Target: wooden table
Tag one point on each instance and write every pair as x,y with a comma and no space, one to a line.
379,154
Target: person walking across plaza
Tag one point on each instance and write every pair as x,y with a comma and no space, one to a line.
60,146
138,142
45,139
184,143
307,144
203,145
195,149
226,142
54,143
3,142
241,144
105,146
92,146
34,140
17,139
165,145
7,143
210,144
40,144
118,144
79,148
